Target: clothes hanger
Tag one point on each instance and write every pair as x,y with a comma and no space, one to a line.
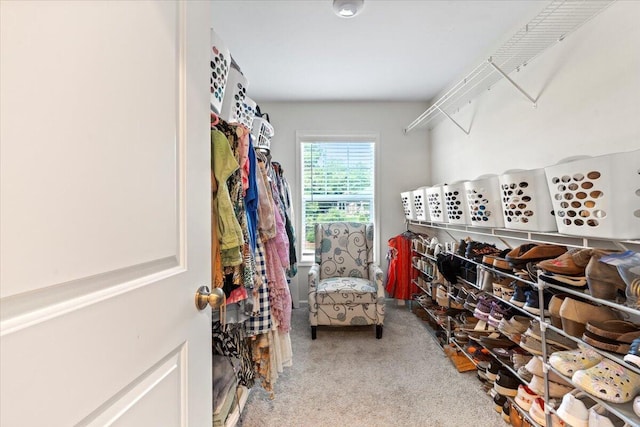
214,119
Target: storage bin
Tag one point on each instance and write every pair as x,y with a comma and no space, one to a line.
420,204
435,202
526,201
483,200
456,203
235,96
407,204
220,60
597,196
248,112
262,132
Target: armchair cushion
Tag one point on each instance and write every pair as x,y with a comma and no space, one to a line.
346,290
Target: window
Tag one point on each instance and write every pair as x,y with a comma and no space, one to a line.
337,182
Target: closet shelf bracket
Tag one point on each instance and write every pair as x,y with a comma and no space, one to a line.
510,80
454,122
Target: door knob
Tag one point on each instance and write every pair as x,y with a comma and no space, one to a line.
214,298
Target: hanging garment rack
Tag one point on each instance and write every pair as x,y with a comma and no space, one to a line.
551,25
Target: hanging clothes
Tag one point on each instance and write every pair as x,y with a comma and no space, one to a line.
230,341
224,164
400,274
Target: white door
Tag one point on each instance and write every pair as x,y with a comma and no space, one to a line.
105,213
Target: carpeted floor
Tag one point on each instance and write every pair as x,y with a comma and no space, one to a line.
348,378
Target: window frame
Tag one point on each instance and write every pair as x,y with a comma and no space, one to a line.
319,136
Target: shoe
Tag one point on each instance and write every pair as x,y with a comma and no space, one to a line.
533,304
506,384
534,366
611,335
515,417
524,375
571,282
471,302
532,252
554,309
636,405
575,314
516,325
525,397
498,402
556,390
537,413
597,419
476,250
506,412
534,345
604,280
520,360
619,330
519,297
633,356
573,411
483,308
608,381
551,336
498,312
567,362
502,265
508,291
570,263
492,371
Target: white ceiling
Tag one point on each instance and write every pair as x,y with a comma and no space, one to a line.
299,50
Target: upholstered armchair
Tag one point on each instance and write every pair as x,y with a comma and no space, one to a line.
345,286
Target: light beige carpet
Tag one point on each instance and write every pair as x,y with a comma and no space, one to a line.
349,378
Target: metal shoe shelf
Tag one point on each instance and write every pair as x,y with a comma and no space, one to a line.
622,411
433,316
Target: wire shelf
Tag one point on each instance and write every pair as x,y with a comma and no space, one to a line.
552,24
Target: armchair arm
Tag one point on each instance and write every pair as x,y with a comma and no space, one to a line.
376,277
314,277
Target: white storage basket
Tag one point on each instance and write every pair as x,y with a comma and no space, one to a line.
262,132
420,204
220,63
407,204
235,96
483,200
456,203
248,112
435,202
597,196
526,201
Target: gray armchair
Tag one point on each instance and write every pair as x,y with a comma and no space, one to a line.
345,286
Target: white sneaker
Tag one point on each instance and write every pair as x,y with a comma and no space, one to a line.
573,411
596,419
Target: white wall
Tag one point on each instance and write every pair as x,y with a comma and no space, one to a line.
588,90
403,158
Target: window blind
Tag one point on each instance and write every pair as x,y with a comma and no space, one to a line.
337,185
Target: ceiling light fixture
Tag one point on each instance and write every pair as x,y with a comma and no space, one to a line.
347,8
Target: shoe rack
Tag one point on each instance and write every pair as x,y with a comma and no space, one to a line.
623,411
440,323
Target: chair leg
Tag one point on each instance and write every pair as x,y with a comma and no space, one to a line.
313,332
378,331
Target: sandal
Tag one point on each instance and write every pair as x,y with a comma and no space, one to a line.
608,381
